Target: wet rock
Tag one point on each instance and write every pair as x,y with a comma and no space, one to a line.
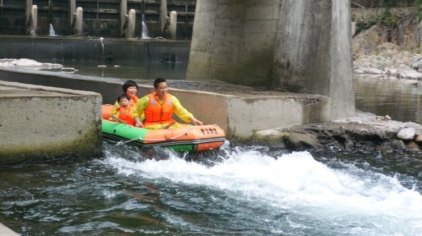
406,134
416,62
384,118
407,72
368,70
388,147
270,135
398,144
366,133
418,139
297,141
413,146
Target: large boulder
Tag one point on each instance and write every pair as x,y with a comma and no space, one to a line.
406,134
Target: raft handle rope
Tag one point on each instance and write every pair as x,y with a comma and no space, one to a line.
139,138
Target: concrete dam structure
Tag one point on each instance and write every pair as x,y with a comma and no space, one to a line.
300,50
290,45
98,18
295,46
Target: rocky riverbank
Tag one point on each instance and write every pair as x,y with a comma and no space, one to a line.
392,49
364,132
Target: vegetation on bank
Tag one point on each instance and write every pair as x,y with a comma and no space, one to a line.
385,3
388,40
388,18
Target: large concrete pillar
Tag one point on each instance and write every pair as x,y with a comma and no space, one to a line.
313,52
173,25
72,9
163,15
123,16
294,45
234,41
78,22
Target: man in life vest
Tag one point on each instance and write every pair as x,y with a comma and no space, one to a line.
130,88
123,113
158,108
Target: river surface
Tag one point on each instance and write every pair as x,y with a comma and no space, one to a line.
240,190
401,99
170,70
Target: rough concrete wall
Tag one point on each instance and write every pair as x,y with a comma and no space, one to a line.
248,115
313,51
115,52
233,41
238,115
45,122
6,231
341,66
296,45
210,108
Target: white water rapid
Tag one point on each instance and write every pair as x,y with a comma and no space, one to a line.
312,197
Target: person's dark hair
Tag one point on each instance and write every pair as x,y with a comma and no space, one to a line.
157,81
128,84
119,98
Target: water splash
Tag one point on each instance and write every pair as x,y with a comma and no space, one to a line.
102,47
145,31
25,63
51,31
29,64
312,194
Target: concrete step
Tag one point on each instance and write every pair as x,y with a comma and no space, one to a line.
4,231
46,122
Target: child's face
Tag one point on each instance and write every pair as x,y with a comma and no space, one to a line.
124,102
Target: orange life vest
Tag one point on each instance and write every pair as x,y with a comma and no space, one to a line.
125,114
157,112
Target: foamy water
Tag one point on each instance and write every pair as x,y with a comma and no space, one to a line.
24,63
310,194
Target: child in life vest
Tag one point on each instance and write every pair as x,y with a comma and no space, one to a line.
123,113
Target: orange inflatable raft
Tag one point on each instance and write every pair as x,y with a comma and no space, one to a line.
186,138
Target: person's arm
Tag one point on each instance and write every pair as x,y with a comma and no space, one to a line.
138,113
114,116
184,114
114,108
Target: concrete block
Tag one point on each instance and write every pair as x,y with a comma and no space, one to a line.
201,60
4,231
260,26
227,23
254,44
46,122
262,10
242,115
239,110
230,10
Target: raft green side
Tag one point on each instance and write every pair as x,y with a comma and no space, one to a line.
123,130
136,135
132,133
